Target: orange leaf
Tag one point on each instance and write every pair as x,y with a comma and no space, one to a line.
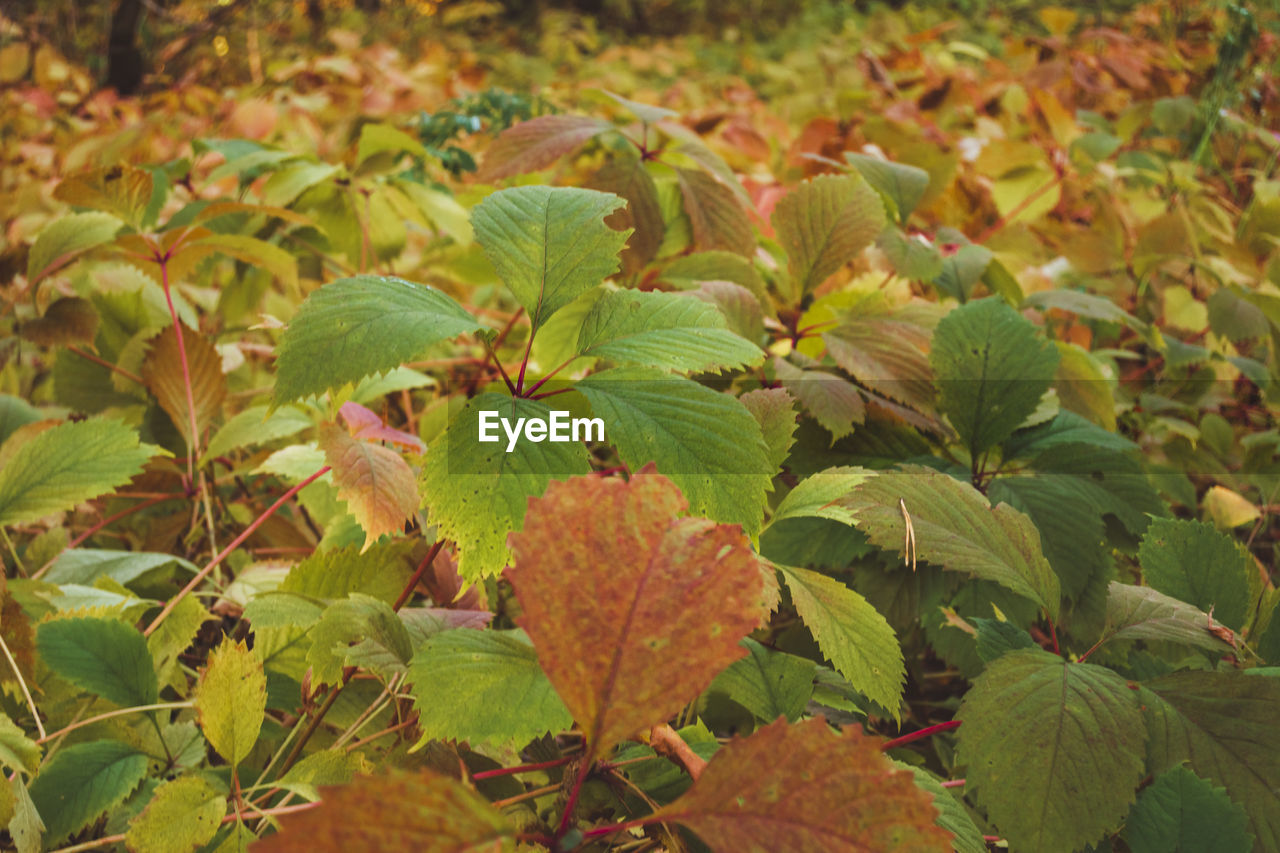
376,482
162,371
807,788
633,610
421,811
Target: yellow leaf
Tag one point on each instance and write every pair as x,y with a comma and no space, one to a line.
231,700
376,482
1229,509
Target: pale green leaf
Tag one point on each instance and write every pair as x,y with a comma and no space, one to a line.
15,412
689,271
497,693
183,815
991,368
387,139
103,656
256,253
704,441
255,425
818,496
1224,725
824,223
17,751
1079,734
901,184
832,400
952,815
358,619
549,244
1142,613
955,528
382,572
1196,563
65,238
663,330
231,700
86,565
358,326
961,270
478,492
67,465
82,781
851,633
25,827
912,258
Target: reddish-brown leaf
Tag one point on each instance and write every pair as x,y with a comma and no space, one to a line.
424,812
718,219
629,179
806,789
366,424
69,320
162,371
633,610
536,144
376,482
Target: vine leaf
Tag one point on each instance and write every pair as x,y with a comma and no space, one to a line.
82,781
663,330
955,528
399,811
1181,811
821,791
231,700
1223,725
182,816
991,368
498,693
1080,738
104,656
852,634
162,372
358,326
478,493
66,465
1196,563
66,239
1142,613
824,223
705,441
604,571
537,143
549,244
376,483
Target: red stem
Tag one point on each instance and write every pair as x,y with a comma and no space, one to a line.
540,382
953,783
617,827
546,394
417,574
523,768
920,735
1053,632
106,521
524,362
235,543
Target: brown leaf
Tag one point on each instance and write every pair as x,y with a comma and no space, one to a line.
376,482
162,371
807,789
18,635
123,190
423,811
446,588
629,179
70,320
633,610
718,220
536,144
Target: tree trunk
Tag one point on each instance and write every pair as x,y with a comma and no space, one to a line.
124,59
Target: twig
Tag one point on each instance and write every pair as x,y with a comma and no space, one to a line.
118,712
22,682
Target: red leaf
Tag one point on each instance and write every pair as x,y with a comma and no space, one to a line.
806,788
633,610
365,424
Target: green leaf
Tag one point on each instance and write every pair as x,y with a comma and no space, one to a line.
359,619
1053,750
688,271
533,145
912,258
67,465
886,354
955,528
17,751
358,326
256,253
255,425
768,683
66,238
1142,613
663,330
15,412
901,184
380,572
1181,813
996,638
1196,563
1065,428
387,139
549,244
852,634
817,496
104,656
832,400
182,816
477,492
775,411
824,223
498,694
961,270
952,815
1085,305
705,441
1224,725
82,781
25,827
231,700
86,565
992,369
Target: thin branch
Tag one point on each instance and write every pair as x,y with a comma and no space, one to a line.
114,368
22,682
118,712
